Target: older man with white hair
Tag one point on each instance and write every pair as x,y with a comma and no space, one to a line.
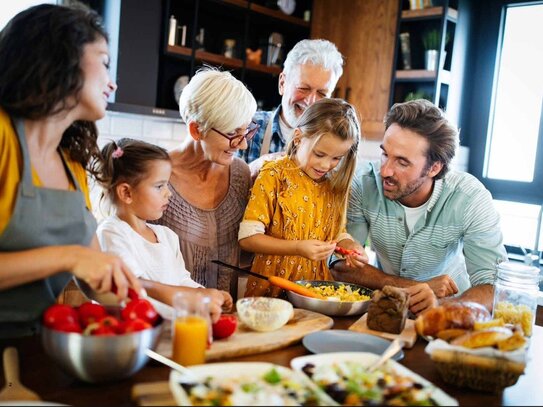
311,71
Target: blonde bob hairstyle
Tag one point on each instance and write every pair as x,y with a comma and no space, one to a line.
340,119
216,99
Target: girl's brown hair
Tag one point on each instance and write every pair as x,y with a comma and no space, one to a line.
126,160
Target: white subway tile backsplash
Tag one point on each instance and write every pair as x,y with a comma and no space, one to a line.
104,125
180,132
124,126
156,129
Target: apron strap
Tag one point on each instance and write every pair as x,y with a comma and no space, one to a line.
27,187
266,141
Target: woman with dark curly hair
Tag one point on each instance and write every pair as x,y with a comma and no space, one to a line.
54,84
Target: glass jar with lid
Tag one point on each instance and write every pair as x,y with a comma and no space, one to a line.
515,294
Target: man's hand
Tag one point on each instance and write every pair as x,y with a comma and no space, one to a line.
421,298
315,249
443,286
353,252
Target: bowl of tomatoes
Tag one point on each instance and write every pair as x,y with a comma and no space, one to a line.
98,344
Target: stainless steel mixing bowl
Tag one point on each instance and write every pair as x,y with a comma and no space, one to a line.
328,307
100,358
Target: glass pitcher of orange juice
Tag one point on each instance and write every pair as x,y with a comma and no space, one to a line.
190,328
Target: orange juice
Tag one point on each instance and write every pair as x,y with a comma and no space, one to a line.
190,340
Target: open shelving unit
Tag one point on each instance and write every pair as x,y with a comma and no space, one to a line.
431,84
248,23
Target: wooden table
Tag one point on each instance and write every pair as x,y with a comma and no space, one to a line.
40,374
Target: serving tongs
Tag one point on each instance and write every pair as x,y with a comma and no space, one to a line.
274,280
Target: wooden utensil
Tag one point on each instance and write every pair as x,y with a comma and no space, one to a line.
395,346
13,389
174,365
274,280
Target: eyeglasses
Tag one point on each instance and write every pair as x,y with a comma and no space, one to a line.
236,139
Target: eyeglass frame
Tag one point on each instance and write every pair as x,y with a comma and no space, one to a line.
248,136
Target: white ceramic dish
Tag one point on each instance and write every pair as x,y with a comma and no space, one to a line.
337,340
366,359
237,370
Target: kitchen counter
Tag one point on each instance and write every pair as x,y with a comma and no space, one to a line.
41,375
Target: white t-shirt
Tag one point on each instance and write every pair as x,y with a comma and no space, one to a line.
161,262
412,215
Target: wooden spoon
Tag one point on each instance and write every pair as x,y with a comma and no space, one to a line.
13,389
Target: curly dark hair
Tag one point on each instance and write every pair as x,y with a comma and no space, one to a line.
40,75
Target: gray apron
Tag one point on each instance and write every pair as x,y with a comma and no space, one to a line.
41,217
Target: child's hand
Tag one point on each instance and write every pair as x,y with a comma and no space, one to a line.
315,249
353,252
219,299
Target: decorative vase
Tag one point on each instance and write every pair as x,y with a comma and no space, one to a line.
430,59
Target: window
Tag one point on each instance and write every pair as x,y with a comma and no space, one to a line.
11,7
515,117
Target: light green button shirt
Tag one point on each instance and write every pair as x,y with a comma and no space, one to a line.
459,234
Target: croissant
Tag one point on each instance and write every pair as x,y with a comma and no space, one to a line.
451,315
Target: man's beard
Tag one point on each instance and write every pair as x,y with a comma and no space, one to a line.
406,190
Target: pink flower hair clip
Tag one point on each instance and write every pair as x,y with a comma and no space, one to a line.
118,153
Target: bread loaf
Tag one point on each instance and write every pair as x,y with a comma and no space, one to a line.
480,339
452,314
387,311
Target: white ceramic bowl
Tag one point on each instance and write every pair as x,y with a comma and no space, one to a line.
264,314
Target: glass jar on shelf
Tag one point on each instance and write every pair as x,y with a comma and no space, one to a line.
515,294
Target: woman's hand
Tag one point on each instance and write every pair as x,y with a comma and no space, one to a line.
100,270
315,249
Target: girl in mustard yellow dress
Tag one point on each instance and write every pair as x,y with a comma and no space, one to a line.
295,217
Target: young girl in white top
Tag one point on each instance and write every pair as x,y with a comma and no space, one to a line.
135,181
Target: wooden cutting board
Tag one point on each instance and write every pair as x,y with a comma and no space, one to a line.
408,335
248,342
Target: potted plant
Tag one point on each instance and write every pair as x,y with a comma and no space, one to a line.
431,40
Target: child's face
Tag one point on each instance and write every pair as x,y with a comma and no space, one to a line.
318,160
151,195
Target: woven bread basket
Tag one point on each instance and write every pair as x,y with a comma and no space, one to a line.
489,374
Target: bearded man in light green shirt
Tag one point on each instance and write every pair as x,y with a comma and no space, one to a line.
434,231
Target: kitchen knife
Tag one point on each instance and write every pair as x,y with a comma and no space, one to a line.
277,281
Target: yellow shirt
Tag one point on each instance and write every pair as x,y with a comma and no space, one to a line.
11,166
291,206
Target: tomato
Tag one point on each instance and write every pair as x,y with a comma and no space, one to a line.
90,312
225,326
141,309
68,326
133,325
58,314
109,321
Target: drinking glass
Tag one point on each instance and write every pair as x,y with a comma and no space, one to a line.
191,328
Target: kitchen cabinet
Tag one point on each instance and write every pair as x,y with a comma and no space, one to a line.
418,80
365,33
209,25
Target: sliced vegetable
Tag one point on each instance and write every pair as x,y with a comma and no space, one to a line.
292,286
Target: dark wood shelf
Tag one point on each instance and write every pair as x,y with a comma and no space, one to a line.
422,75
221,60
428,13
278,15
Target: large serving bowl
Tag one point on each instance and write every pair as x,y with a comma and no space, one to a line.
264,314
100,358
330,307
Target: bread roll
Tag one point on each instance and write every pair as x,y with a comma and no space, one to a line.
452,314
480,339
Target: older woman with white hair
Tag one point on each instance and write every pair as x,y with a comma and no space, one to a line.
210,185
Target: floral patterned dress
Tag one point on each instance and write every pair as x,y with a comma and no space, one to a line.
291,206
